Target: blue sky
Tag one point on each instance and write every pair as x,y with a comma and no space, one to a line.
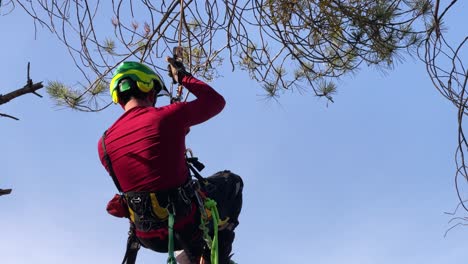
365,180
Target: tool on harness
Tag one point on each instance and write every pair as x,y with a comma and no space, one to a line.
150,210
194,165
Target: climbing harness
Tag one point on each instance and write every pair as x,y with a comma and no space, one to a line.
154,210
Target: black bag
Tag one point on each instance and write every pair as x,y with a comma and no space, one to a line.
226,188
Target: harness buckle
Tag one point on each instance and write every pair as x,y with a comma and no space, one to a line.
136,200
171,207
195,185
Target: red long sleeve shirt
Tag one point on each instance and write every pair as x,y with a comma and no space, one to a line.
147,144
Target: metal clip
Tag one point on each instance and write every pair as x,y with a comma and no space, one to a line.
170,206
201,205
178,53
184,196
189,151
136,200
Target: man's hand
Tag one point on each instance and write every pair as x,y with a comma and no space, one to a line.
176,70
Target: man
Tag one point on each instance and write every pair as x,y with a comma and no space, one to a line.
144,152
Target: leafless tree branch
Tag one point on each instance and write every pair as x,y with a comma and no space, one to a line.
449,74
30,87
5,191
9,116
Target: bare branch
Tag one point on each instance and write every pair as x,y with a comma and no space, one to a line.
449,75
5,191
281,44
30,87
9,116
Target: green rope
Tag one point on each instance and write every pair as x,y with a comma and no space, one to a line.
210,204
204,227
170,248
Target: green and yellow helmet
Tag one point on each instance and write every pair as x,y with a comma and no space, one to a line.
145,78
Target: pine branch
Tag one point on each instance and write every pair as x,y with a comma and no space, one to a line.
5,191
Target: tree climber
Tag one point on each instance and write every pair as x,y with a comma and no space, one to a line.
144,152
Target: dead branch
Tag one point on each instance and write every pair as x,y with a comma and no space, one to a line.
9,116
30,87
5,191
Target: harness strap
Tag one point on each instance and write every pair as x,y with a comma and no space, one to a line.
109,163
133,245
194,166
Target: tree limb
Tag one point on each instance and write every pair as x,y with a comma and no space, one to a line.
5,191
30,87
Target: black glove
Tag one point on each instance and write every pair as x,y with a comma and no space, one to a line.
176,70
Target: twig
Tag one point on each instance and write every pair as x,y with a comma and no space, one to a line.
456,208
9,116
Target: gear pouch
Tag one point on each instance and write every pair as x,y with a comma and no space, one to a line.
118,207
